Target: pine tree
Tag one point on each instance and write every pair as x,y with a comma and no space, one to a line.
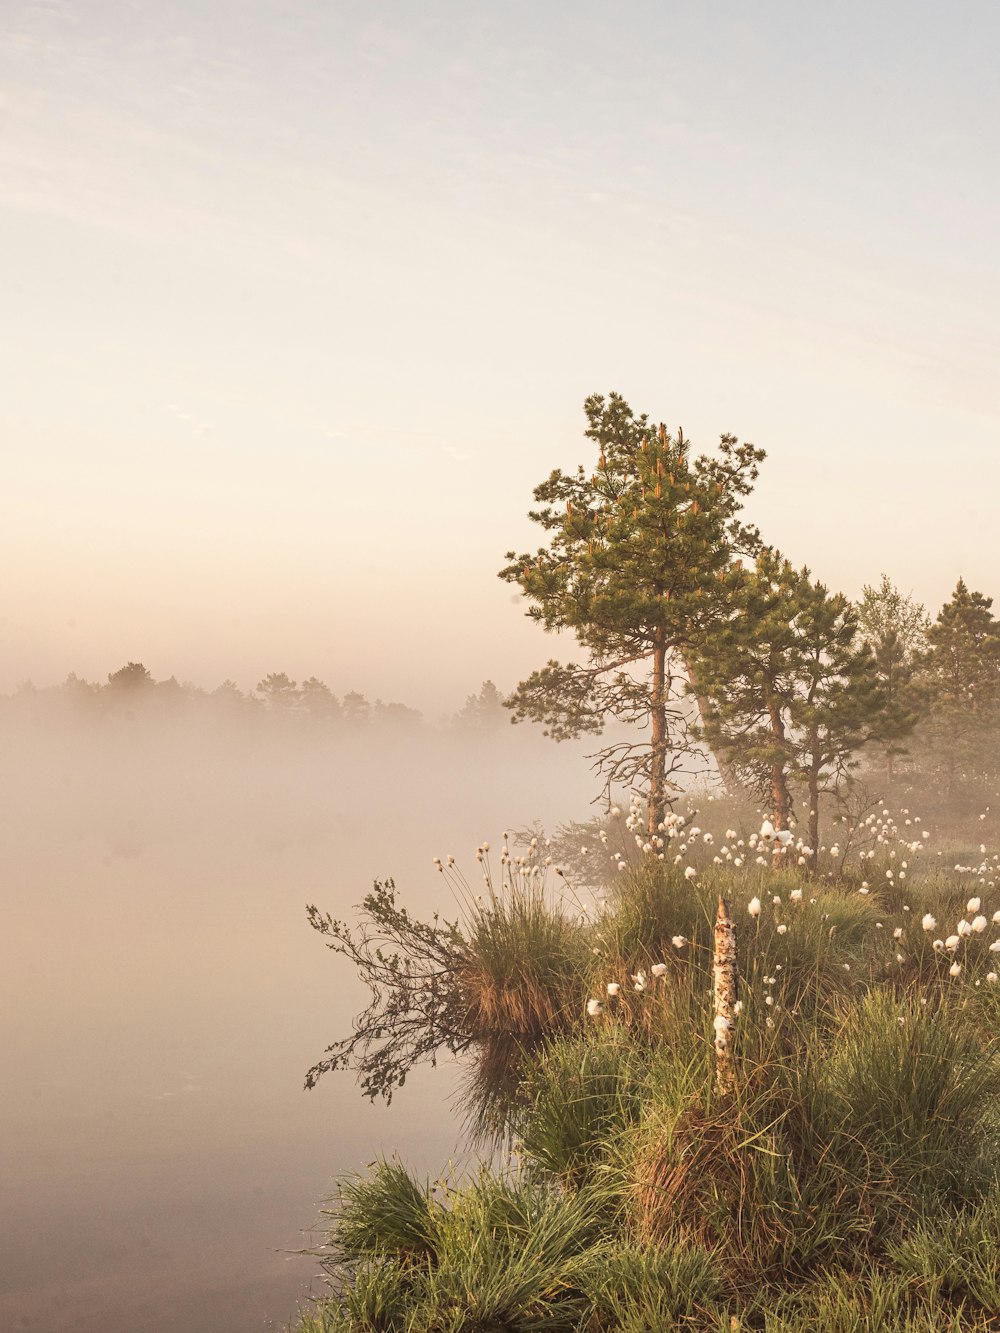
279,691
895,628
636,567
357,710
793,692
841,704
132,676
748,666
319,700
483,711
960,671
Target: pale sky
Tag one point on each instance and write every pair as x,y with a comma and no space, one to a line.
301,300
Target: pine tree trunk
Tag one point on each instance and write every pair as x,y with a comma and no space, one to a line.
725,976
658,710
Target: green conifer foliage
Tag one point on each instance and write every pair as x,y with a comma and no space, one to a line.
961,673
792,689
895,628
635,567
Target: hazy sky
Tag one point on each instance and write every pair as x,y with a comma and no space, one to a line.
301,300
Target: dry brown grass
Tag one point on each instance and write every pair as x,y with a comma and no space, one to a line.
714,1180
521,1004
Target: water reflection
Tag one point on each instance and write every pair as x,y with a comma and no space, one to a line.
161,995
491,1093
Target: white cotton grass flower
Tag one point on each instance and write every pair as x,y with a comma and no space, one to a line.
991,977
955,970
690,872
720,1023
979,924
594,1008
974,904
897,934
753,907
995,947
952,943
928,922
679,941
782,929
614,988
658,969
964,928
795,896
767,830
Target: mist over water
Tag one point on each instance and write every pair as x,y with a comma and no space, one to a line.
162,994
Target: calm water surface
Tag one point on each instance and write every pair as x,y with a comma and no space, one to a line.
162,996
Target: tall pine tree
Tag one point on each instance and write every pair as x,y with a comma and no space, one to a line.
636,565
960,671
895,628
793,692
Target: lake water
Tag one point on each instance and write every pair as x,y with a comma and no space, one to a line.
163,995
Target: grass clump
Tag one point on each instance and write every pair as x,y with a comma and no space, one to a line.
521,966
956,1255
386,1214
503,1254
903,1103
635,1289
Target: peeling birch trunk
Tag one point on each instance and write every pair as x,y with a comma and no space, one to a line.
724,978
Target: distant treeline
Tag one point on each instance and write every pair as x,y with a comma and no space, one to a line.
132,690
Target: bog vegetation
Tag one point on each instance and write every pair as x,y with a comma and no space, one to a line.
847,1180
813,772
